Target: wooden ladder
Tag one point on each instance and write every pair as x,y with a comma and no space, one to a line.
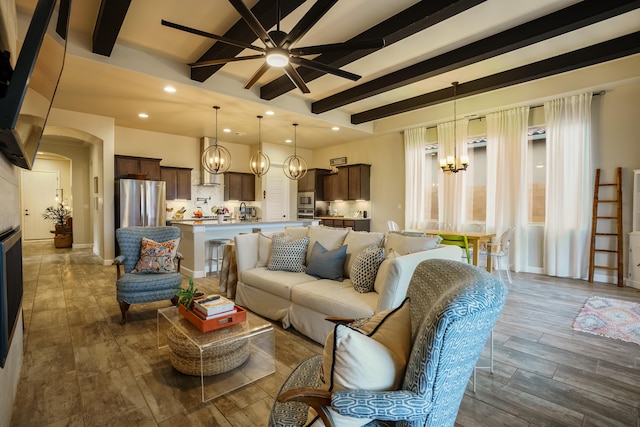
607,219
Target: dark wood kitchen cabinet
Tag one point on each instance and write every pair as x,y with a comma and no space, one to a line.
239,186
126,165
351,182
313,181
359,182
178,182
354,224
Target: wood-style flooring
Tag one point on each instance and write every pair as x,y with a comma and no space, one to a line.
82,368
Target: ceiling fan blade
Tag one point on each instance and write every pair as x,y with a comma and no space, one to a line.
313,15
318,66
224,60
256,76
212,36
338,47
295,78
252,22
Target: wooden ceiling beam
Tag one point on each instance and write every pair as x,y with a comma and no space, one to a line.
596,54
110,18
579,15
265,11
404,24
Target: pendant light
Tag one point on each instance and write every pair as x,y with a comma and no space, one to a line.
295,167
451,163
216,159
259,162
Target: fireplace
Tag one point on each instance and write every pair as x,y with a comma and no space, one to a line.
10,288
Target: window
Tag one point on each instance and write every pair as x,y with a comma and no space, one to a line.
477,178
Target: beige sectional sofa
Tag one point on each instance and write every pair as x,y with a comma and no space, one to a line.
303,301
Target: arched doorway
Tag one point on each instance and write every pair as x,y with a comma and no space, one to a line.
85,190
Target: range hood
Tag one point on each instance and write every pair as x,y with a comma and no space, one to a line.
207,178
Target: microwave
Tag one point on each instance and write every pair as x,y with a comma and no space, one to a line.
306,200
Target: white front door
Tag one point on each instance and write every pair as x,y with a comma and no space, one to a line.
276,197
38,193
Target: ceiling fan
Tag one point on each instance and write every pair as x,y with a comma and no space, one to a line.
279,51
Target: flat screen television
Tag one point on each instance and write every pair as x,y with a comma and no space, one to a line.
27,92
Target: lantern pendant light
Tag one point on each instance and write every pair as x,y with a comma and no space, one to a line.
216,159
295,167
259,162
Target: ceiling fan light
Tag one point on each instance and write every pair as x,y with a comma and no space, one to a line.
277,57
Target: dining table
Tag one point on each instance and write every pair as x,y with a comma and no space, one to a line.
475,239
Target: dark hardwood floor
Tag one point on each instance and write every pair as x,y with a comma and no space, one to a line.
82,368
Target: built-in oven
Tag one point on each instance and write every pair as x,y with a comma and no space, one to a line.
304,213
306,200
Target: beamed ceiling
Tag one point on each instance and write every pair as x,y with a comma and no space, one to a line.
120,58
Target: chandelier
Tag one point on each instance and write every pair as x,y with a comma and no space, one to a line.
259,162
295,167
216,159
451,163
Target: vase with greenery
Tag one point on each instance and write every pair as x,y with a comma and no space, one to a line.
58,215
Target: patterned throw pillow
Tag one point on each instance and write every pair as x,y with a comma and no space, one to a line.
288,255
157,257
365,268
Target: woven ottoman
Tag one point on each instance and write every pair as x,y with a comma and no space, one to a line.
216,359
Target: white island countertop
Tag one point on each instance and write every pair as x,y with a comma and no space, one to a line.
195,234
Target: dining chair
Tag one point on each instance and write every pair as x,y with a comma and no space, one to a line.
499,250
392,226
457,240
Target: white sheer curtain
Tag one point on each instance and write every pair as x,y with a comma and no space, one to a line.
417,170
452,187
507,189
569,186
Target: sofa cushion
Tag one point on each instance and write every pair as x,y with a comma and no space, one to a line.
296,233
157,257
386,344
334,298
277,283
264,250
288,255
356,242
404,244
365,268
326,264
329,238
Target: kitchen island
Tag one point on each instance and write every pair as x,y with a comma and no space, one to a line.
195,233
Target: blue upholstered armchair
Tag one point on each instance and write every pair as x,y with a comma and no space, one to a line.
453,309
132,287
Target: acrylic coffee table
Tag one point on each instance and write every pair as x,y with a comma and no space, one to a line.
224,359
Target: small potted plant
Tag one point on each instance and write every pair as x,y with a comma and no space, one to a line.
221,211
186,296
59,215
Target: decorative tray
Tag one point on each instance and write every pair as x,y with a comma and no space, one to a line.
213,324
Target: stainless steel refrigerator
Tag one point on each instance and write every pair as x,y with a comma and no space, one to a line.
140,203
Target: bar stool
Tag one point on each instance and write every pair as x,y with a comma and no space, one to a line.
217,253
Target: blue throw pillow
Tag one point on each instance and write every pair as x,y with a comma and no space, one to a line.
327,264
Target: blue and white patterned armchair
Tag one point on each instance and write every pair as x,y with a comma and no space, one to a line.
453,309
134,288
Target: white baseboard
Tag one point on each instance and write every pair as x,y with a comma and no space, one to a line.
82,245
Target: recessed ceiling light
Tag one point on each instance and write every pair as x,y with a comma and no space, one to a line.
288,141
269,113
226,130
335,128
143,115
169,89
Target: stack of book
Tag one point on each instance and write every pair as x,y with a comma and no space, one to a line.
213,306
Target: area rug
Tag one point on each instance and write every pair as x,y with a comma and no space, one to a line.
612,318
